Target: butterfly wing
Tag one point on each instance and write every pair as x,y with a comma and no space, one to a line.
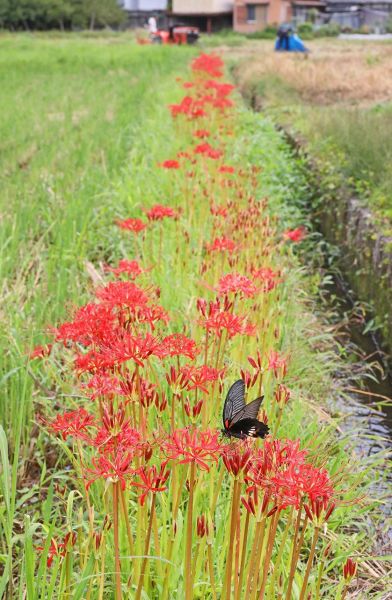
249,411
249,428
235,401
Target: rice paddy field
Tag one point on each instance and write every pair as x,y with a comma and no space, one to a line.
338,98
168,419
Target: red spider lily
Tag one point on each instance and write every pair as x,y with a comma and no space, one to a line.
178,344
275,459
177,380
134,225
222,244
213,307
55,549
159,212
232,324
75,423
222,103
222,89
208,63
41,351
201,133
116,432
161,402
277,363
237,458
150,315
194,410
188,106
316,483
148,393
188,84
292,483
236,284
199,377
319,510
118,349
349,570
207,150
251,502
146,451
219,211
170,164
114,419
127,267
267,277
129,347
201,526
122,293
282,394
91,323
248,379
152,480
103,385
185,107
58,548
256,363
226,169
91,362
114,466
197,446
295,235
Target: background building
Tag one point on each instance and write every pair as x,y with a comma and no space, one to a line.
208,15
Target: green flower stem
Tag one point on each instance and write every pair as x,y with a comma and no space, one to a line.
310,563
146,549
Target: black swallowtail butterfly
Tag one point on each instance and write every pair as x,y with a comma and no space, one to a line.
240,419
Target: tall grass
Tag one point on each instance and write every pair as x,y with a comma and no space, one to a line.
71,113
362,138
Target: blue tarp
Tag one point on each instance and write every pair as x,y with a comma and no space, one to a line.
290,43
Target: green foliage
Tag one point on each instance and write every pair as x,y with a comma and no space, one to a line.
305,31
330,30
62,14
226,37
364,138
268,33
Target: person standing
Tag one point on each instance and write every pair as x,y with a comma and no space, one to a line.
152,26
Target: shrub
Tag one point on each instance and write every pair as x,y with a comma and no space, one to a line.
330,30
305,30
268,33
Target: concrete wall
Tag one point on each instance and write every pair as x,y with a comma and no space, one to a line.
193,7
270,12
144,5
240,22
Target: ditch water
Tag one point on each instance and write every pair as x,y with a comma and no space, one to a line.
369,413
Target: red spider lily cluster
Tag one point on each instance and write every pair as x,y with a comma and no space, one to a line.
349,569
153,385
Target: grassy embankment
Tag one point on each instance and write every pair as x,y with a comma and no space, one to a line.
339,99
336,102
65,181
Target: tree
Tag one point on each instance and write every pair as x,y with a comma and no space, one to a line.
103,13
59,13
65,14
